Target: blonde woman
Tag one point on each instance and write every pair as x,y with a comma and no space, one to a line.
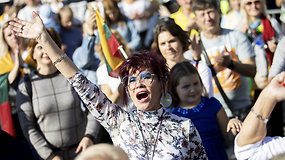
264,33
14,62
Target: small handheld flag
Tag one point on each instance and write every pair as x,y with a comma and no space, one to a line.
110,45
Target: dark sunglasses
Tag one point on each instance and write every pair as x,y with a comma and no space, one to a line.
253,2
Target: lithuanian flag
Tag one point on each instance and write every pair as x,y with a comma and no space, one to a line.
7,124
109,45
6,65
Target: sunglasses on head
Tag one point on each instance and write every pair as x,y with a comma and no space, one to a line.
253,2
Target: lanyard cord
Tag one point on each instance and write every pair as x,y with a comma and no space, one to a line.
156,139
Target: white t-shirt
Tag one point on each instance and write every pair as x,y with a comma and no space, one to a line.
206,76
137,7
104,78
262,150
26,13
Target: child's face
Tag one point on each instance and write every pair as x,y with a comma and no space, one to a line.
189,90
66,20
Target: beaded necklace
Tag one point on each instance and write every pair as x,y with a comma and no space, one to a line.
195,109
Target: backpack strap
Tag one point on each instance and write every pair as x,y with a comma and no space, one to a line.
28,85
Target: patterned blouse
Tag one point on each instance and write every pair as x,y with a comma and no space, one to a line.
144,135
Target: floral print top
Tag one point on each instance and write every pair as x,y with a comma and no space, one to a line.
137,131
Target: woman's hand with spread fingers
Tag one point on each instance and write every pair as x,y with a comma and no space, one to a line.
31,30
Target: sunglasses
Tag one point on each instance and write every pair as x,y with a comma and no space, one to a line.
253,2
144,77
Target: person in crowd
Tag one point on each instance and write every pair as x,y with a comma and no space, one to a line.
170,42
89,59
71,36
125,26
110,86
26,12
264,33
103,151
231,55
144,14
49,110
278,63
49,17
4,14
232,19
147,131
208,115
85,57
252,142
184,17
15,61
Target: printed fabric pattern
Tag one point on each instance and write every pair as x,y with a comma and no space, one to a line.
178,138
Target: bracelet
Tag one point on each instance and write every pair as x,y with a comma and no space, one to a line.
259,116
59,59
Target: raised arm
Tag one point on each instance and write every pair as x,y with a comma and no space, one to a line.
254,126
36,30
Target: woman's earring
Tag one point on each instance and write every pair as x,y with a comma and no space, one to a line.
166,100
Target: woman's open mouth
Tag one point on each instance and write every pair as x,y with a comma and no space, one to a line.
142,96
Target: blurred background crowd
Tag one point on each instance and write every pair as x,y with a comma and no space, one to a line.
244,45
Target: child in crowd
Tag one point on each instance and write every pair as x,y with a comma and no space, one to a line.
71,36
207,114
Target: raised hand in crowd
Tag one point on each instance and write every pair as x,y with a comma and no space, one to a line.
90,24
196,47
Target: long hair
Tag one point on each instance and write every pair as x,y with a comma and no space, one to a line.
113,5
4,48
168,24
140,61
245,17
176,73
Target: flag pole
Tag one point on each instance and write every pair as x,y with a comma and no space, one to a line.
123,52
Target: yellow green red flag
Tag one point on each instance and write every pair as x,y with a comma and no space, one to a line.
109,45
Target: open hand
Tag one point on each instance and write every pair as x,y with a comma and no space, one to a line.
196,47
31,30
90,23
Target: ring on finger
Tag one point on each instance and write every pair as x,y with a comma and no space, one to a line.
22,28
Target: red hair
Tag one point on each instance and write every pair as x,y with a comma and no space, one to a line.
140,61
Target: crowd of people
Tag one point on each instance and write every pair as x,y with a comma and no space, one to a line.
194,82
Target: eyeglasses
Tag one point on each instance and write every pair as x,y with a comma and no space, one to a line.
144,77
253,2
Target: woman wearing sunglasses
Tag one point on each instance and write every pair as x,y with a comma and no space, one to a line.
264,33
145,132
